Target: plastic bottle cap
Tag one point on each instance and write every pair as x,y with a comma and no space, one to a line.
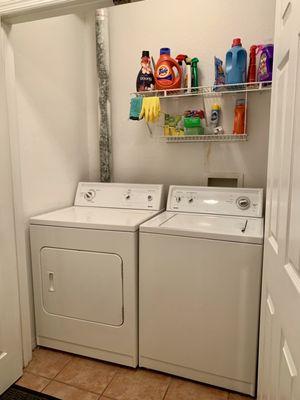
236,42
145,53
165,50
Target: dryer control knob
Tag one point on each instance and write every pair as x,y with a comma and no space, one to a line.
150,198
89,195
191,199
243,203
127,196
178,199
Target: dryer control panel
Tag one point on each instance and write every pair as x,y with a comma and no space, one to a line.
120,195
216,200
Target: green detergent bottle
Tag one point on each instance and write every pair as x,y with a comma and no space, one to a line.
195,73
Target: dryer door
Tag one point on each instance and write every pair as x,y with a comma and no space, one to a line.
82,285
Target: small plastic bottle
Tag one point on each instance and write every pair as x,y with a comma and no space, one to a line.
239,117
215,116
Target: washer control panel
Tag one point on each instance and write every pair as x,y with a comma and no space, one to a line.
215,200
118,195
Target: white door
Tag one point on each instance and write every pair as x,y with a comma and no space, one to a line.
10,331
279,367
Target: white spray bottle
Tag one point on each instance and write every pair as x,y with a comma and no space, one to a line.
181,61
188,67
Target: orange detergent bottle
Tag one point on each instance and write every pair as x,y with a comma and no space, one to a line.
239,117
168,73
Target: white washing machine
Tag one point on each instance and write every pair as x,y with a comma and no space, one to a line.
200,277
85,270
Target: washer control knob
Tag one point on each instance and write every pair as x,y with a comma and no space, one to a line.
178,199
89,195
150,198
127,196
191,199
243,203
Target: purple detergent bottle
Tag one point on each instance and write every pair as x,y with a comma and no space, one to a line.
236,63
265,65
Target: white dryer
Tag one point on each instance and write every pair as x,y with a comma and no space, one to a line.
85,270
200,278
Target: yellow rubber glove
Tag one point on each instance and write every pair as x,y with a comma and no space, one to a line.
150,109
156,108
144,110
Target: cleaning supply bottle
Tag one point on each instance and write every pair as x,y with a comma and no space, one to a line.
236,63
195,74
252,64
188,75
265,65
181,61
215,115
168,73
239,117
219,74
145,78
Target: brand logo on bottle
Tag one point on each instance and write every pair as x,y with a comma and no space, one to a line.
164,71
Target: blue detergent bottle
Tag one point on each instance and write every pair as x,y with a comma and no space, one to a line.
236,63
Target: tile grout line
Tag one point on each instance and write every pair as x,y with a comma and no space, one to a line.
166,392
47,377
42,391
108,397
71,359
85,390
35,374
103,393
168,388
74,387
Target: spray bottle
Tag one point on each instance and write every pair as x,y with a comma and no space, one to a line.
181,61
188,78
195,75
252,64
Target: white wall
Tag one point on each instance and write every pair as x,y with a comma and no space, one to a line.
57,111
199,28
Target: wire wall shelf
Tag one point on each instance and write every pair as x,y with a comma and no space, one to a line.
205,138
208,91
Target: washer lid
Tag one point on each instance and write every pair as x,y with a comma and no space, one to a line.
237,229
95,218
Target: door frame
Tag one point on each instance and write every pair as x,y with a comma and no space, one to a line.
14,12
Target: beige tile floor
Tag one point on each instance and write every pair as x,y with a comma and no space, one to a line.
69,377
